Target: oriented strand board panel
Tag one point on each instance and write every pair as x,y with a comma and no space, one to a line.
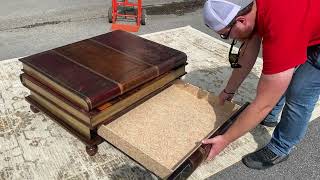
166,129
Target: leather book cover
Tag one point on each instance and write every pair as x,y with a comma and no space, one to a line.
96,70
105,111
163,57
62,114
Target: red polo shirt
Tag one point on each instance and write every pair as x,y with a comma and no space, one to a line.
287,28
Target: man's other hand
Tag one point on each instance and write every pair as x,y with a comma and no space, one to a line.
224,97
218,144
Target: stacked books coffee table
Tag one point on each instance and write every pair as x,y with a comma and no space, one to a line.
123,89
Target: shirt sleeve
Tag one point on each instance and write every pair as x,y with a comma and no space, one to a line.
285,39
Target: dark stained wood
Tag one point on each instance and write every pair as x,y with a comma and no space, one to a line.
73,77
103,67
106,61
92,150
34,109
142,49
94,112
96,140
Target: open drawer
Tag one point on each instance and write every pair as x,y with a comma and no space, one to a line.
164,133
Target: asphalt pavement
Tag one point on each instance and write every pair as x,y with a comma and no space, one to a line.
303,162
28,27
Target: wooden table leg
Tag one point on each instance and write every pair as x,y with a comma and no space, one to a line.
92,150
34,109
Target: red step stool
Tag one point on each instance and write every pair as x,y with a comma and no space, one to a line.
120,8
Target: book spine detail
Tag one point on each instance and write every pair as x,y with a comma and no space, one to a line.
136,59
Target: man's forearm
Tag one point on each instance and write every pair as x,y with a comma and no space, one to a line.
247,60
267,97
246,121
237,77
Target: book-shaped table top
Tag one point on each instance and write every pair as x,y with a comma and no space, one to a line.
165,130
93,71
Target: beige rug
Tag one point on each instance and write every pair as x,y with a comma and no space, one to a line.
33,147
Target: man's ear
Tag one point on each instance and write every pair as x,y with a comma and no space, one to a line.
242,20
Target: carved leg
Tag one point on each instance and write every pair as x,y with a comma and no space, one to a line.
34,109
92,150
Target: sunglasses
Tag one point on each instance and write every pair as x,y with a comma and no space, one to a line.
234,58
226,35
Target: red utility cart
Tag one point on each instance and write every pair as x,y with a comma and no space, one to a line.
126,11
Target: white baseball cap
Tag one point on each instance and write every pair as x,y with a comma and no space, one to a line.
217,14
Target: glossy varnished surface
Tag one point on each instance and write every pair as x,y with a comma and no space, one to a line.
106,66
104,61
142,49
75,78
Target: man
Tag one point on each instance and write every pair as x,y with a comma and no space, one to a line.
290,34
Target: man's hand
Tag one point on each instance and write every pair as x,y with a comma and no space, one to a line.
218,144
224,97
269,91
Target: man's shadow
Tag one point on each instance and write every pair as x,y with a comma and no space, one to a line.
214,80
134,171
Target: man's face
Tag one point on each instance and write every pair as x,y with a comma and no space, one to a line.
241,30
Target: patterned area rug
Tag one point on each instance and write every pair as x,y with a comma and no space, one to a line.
34,147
